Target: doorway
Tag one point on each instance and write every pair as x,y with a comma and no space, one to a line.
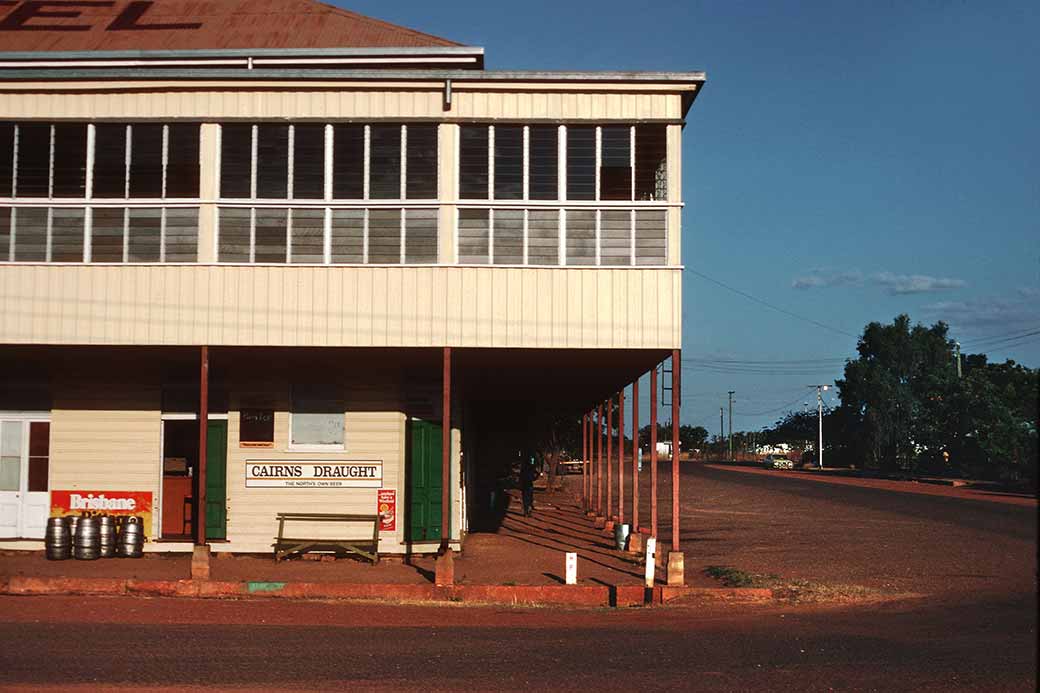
24,476
180,478
424,482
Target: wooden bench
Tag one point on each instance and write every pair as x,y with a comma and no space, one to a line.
285,546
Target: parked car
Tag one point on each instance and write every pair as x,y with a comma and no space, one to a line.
777,462
568,466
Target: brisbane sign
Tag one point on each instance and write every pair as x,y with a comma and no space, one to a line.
35,15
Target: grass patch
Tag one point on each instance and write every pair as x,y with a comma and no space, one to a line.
731,577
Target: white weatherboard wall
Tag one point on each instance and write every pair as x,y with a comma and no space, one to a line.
106,436
375,429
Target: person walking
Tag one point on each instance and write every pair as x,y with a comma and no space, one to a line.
528,473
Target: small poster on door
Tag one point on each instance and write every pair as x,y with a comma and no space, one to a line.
386,504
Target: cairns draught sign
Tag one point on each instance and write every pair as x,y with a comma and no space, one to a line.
314,474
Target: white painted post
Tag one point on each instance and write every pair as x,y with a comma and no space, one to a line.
572,569
651,560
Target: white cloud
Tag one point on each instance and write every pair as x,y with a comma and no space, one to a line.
898,284
991,314
895,284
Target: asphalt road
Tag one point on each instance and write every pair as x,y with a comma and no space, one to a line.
68,644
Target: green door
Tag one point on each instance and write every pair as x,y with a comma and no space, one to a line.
216,480
424,482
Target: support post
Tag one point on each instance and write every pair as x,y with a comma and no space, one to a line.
635,456
446,451
621,457
610,458
200,478
653,452
584,461
599,460
676,382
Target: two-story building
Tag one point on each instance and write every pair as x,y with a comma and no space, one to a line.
310,231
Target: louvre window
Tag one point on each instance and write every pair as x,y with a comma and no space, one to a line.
384,172
308,236
543,237
384,236
182,235
421,183
272,162
509,162
651,162
508,236
110,161
420,236
473,162
348,236
348,162
34,157
182,166
67,225
309,162
235,241
144,229
70,160
30,236
651,237
6,224
474,236
543,163
6,163
270,235
615,237
581,163
146,154
581,237
615,171
107,230
236,157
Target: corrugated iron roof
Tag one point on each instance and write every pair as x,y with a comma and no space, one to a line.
148,25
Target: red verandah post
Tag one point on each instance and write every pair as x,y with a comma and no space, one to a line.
599,460
584,461
653,452
610,457
676,381
200,479
446,451
621,457
635,455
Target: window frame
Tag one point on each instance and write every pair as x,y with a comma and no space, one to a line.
290,446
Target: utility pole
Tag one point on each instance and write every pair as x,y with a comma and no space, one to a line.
957,346
722,428
819,411
731,425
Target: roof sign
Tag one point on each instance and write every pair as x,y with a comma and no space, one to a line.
32,15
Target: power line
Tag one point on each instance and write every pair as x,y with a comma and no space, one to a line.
770,305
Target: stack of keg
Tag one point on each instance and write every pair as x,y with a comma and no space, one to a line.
131,538
58,540
86,542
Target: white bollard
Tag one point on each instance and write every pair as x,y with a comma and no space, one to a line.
651,560
572,569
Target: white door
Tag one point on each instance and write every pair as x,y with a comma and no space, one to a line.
24,478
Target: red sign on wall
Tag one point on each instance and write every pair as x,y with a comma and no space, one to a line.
103,503
386,502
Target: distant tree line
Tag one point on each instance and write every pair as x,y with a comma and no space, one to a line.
904,408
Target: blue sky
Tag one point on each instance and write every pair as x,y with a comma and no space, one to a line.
846,162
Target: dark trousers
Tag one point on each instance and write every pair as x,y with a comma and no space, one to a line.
528,493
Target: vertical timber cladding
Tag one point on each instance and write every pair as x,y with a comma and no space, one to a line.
374,430
105,435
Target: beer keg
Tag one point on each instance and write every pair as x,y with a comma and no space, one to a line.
57,541
107,536
130,543
86,543
73,522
